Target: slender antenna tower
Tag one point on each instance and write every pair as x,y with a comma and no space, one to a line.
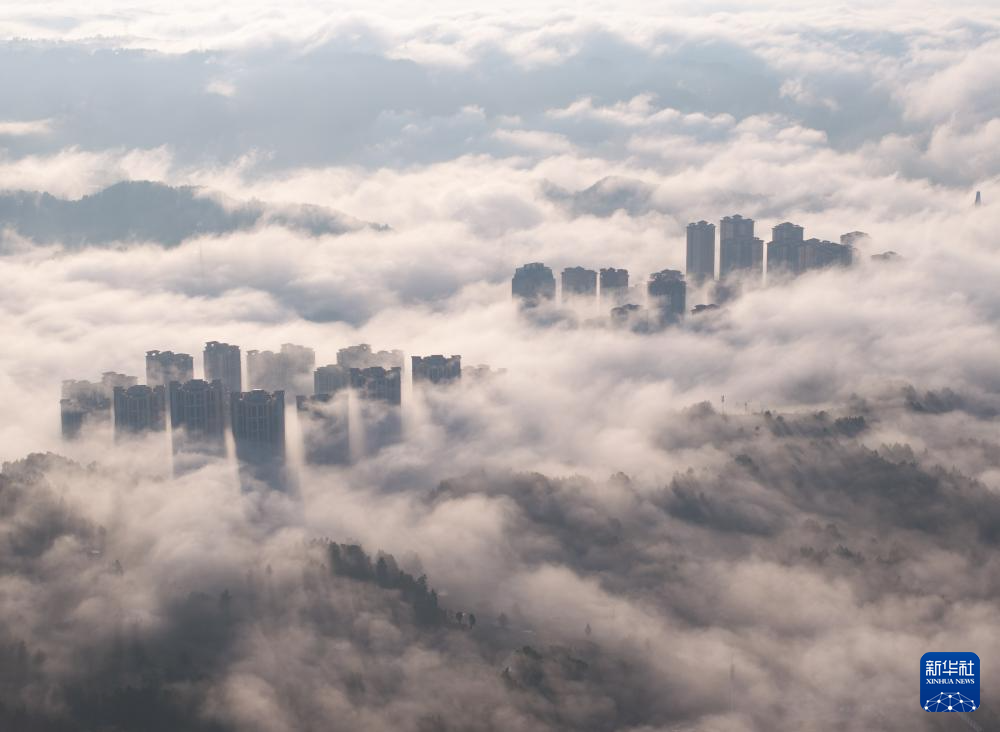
979,199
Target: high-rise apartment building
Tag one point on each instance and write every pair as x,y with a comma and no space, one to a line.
84,403
162,367
258,424
378,384
222,362
740,252
533,284
667,292
614,285
324,422
139,408
362,357
198,411
783,250
700,252
289,370
817,254
437,369
854,238
331,379
580,283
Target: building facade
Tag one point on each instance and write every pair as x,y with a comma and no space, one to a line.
854,238
533,284
700,252
331,379
85,403
162,367
289,370
198,409
667,293
740,252
579,283
436,369
362,356
324,421
378,384
223,363
138,409
258,424
783,249
818,254
614,286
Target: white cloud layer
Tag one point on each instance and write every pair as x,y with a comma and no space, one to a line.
768,557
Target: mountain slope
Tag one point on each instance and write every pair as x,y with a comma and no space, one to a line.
147,211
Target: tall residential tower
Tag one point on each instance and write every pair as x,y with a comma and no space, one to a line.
222,362
533,284
740,252
700,252
162,367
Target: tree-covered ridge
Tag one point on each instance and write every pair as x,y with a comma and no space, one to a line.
350,560
146,211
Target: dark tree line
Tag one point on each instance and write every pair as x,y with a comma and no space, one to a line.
350,560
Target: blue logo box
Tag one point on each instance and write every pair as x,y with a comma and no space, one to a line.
949,682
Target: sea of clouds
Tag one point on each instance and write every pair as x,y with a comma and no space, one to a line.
639,554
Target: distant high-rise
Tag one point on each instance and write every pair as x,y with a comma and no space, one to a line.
854,238
668,294
162,367
88,402
362,357
111,379
788,232
258,423
783,249
331,379
222,362
979,199
735,227
325,425
579,283
375,394
138,409
437,369
701,252
532,284
289,370
378,384
614,285
817,254
197,412
740,252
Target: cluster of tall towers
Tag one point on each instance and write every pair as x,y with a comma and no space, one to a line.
742,254
666,292
200,413
742,258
